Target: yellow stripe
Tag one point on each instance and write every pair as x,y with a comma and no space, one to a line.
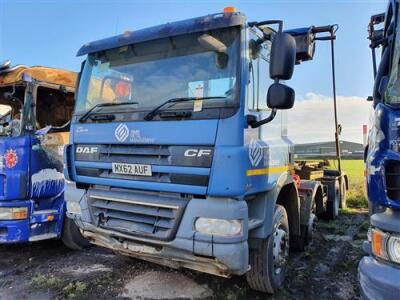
256,172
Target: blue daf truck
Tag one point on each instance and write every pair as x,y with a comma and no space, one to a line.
180,152
379,272
36,104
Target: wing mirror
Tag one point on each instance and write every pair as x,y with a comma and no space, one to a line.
282,62
283,59
280,96
283,56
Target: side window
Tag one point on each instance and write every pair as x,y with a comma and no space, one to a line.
252,90
259,80
264,80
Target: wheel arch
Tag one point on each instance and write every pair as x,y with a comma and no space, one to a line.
263,206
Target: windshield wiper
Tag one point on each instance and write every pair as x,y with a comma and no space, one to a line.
156,110
90,111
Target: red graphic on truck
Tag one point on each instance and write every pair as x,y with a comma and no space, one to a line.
11,158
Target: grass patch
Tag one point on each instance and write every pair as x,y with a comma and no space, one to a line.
355,173
75,290
45,282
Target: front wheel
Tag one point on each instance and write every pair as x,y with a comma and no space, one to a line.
72,237
269,261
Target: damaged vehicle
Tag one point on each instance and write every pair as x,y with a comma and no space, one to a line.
36,104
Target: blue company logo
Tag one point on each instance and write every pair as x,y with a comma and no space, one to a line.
256,153
121,133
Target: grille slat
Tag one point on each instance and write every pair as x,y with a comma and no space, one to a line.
136,218
392,179
163,213
136,150
141,214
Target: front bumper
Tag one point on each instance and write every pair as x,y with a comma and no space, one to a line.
378,280
15,231
39,225
226,259
223,256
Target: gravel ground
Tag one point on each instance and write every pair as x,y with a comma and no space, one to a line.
48,270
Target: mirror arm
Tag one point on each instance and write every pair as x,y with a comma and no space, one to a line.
266,120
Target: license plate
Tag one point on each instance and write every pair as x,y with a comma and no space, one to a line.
132,169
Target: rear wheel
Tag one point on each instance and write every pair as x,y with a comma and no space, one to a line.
269,261
72,237
298,243
332,206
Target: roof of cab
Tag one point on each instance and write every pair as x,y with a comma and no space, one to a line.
43,74
213,21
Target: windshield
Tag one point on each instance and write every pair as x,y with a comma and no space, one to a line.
150,73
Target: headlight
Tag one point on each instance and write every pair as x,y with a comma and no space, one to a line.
219,226
385,246
393,248
13,213
73,207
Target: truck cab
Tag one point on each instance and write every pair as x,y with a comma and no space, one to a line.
379,271
36,105
179,147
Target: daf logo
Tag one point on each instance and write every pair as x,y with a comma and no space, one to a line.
87,150
121,133
197,152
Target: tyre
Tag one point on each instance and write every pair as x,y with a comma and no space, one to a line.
72,237
332,205
269,261
343,193
299,243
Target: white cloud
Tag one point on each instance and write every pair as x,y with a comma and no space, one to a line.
312,118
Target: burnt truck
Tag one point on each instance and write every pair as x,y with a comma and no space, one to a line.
36,105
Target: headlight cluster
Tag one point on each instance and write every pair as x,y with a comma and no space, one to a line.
13,213
385,245
219,227
73,207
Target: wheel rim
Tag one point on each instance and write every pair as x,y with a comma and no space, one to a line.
312,226
280,250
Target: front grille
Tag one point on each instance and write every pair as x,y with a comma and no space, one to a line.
392,176
165,155
155,155
148,215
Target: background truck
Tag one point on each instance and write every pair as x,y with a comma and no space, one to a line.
379,272
36,104
180,150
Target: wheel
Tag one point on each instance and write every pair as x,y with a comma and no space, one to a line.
72,237
307,231
343,193
269,262
298,243
332,205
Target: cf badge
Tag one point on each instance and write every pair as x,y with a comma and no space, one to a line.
197,152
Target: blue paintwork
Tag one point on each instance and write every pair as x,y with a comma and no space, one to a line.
205,23
16,190
379,279
238,149
379,152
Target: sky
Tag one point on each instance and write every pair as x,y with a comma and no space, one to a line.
51,32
